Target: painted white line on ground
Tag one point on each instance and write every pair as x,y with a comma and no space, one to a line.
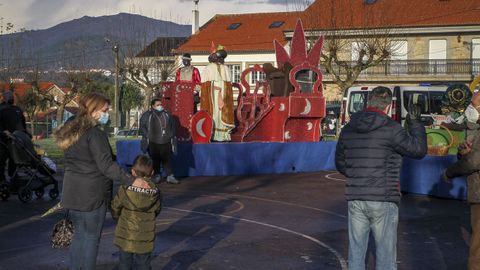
340,259
330,177
266,200
287,203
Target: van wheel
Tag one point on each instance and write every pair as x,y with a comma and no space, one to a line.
25,194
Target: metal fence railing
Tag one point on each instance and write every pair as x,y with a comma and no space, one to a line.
418,67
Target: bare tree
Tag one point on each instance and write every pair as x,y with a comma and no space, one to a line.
153,65
74,62
132,98
352,44
147,58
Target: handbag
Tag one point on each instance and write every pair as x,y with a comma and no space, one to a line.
62,234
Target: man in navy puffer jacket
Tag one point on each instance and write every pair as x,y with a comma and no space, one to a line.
369,153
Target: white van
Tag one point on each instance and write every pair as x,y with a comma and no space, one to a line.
429,97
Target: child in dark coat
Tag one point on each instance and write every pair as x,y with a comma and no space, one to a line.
135,209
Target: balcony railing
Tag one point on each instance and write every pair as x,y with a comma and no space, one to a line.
418,67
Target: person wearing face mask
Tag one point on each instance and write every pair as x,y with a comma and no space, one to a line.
469,165
89,172
157,128
189,74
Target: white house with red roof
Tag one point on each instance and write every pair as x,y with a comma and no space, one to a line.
58,93
248,39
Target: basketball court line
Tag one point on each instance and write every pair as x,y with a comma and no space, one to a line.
341,260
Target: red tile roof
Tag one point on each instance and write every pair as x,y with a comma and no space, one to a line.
254,34
387,13
19,89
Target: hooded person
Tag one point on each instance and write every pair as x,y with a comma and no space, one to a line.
216,96
136,209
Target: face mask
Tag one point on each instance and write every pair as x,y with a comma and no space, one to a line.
471,113
103,118
159,108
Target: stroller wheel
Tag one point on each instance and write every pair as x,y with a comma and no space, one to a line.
39,192
53,193
25,194
4,192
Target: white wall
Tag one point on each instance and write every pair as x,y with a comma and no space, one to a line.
244,59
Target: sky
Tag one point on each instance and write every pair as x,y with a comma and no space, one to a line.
42,14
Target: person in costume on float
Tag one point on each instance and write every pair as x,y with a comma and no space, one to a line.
189,74
216,96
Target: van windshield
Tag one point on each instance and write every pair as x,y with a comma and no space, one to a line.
358,101
430,102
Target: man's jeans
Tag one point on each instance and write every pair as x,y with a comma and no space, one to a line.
86,237
129,260
382,219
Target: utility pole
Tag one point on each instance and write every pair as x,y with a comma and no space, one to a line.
472,77
470,44
115,49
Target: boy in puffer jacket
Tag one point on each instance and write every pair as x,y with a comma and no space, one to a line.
135,209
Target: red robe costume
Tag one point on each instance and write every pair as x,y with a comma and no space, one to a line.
188,74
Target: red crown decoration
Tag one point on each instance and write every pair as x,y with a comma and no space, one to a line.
213,48
298,50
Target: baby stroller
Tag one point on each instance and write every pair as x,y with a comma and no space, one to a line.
32,173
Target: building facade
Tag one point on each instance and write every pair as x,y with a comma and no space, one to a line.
435,41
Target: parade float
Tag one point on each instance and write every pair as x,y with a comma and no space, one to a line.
260,115
273,133
275,130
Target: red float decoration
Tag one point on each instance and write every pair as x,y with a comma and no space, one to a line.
260,116
201,127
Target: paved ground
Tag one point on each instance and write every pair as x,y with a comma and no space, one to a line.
291,221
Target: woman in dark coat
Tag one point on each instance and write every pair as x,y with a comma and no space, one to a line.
89,172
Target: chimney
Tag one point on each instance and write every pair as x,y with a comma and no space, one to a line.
195,21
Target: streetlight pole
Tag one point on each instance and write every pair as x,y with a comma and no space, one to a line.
115,49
